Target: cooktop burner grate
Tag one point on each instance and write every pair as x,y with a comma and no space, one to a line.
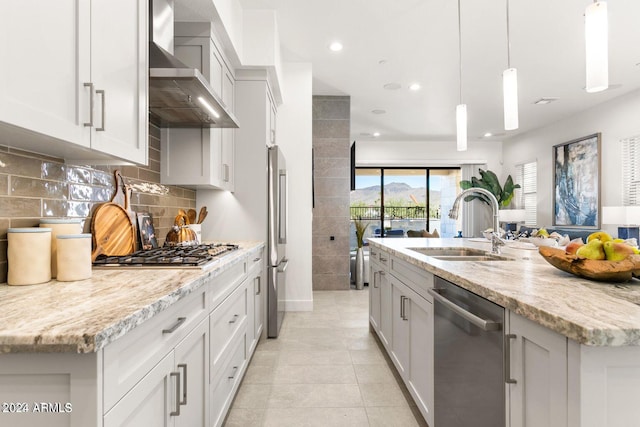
174,256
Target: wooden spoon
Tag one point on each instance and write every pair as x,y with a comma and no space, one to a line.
202,215
191,214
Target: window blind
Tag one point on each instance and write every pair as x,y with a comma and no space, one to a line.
526,196
631,170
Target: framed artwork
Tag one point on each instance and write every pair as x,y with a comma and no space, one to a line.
576,183
146,231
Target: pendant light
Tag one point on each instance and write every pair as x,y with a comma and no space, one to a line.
510,87
596,41
461,109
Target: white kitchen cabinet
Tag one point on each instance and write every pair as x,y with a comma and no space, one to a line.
257,303
174,392
380,296
202,158
400,316
74,81
538,362
151,401
374,296
192,361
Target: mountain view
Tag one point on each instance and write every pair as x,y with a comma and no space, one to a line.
395,191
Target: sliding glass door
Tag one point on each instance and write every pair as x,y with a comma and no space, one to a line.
401,202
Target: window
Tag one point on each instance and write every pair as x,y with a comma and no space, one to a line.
526,196
631,171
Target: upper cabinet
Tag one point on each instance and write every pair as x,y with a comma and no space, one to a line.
202,158
74,83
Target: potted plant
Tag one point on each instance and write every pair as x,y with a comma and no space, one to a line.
361,227
489,181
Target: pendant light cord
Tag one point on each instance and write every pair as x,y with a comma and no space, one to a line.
460,49
508,39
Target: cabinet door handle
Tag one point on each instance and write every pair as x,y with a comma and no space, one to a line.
375,283
177,407
101,92
507,358
259,282
234,371
374,253
175,326
404,308
90,123
402,297
226,172
235,318
183,366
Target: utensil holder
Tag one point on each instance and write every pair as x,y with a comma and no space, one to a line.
74,257
29,255
59,226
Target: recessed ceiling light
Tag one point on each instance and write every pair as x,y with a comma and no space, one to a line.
384,61
488,134
543,101
336,46
378,111
392,86
414,86
376,134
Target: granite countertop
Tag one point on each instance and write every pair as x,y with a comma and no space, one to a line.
589,312
85,316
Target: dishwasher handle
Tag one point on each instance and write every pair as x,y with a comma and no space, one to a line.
485,325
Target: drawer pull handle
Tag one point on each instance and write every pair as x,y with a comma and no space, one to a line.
382,273
101,92
256,259
235,319
233,375
383,259
177,411
183,366
175,326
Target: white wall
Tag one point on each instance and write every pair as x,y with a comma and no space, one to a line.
615,120
293,129
428,153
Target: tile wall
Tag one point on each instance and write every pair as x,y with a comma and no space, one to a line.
33,186
331,151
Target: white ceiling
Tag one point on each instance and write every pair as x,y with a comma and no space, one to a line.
418,42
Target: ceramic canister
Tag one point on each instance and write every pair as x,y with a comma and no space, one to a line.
60,226
29,255
73,257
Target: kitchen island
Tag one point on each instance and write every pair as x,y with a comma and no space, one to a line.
572,345
119,347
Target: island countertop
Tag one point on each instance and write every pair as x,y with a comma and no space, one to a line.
84,316
589,312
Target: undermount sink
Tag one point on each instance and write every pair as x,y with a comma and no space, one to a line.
460,254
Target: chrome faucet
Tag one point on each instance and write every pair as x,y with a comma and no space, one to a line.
496,241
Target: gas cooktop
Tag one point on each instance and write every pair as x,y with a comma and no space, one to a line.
195,256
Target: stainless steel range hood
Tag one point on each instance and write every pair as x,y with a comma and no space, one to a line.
179,96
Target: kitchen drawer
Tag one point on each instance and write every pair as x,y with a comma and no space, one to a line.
255,262
379,256
131,356
416,278
226,322
224,386
224,284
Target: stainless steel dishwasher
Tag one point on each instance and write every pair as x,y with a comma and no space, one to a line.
469,358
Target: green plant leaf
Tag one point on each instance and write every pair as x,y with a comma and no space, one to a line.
492,181
465,184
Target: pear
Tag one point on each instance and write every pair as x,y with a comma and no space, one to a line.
592,250
617,251
618,240
542,233
603,236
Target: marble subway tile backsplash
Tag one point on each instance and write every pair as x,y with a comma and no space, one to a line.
33,186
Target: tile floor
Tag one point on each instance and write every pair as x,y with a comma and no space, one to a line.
325,369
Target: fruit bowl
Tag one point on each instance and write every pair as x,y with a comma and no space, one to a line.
600,270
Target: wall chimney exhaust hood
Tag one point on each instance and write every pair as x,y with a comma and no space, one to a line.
179,96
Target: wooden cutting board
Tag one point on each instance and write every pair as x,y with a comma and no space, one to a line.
113,233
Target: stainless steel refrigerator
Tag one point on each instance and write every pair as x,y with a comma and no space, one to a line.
276,240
